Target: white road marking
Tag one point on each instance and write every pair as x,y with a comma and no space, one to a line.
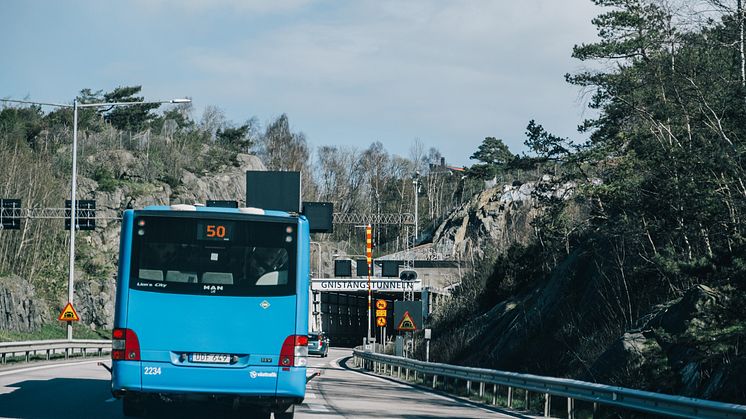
310,395
44,367
317,407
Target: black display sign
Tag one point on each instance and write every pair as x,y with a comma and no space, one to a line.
85,215
390,268
342,268
10,214
273,190
361,269
219,203
320,216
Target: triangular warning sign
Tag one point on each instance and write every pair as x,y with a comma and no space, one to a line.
68,314
407,323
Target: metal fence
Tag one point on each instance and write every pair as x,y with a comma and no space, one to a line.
435,374
25,351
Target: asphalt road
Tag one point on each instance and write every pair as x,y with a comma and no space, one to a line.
81,390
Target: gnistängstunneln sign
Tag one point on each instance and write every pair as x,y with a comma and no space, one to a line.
392,285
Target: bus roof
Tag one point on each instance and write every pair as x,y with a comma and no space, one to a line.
271,213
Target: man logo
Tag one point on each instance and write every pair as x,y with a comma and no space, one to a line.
213,288
264,304
252,374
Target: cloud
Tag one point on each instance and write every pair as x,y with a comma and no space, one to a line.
438,70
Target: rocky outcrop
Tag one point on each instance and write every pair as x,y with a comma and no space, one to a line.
97,252
496,218
228,184
20,309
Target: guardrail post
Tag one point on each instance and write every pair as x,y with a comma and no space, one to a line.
398,371
47,354
481,389
510,397
595,409
84,351
27,352
570,408
547,404
527,402
435,377
67,352
3,358
468,389
494,394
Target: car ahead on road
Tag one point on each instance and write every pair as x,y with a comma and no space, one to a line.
318,344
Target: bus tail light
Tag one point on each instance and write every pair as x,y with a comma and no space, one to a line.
124,345
294,352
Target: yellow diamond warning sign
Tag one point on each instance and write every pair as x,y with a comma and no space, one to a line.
68,314
406,323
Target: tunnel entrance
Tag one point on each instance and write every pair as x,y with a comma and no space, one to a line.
343,316
339,306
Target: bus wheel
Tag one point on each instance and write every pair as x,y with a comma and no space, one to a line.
132,407
289,413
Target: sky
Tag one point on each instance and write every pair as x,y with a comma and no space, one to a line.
348,73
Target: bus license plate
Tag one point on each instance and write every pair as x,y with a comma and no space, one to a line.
211,358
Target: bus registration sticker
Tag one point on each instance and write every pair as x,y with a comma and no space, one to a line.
211,358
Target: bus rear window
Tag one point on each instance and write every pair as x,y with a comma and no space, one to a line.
180,255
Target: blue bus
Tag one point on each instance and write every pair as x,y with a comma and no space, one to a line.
212,303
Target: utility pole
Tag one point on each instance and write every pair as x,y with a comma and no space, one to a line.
73,215
416,183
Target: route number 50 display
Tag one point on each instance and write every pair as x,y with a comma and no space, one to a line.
214,231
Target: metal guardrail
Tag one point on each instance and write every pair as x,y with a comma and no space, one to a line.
50,348
599,394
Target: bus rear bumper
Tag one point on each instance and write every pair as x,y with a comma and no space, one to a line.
260,385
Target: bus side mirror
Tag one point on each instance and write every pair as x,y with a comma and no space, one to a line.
408,275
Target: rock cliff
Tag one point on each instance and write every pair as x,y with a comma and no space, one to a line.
21,309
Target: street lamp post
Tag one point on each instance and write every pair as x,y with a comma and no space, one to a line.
416,183
73,182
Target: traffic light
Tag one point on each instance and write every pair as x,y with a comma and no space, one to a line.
10,214
408,275
85,216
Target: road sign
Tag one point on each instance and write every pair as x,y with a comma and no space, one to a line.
68,314
406,323
381,304
381,321
408,315
380,313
